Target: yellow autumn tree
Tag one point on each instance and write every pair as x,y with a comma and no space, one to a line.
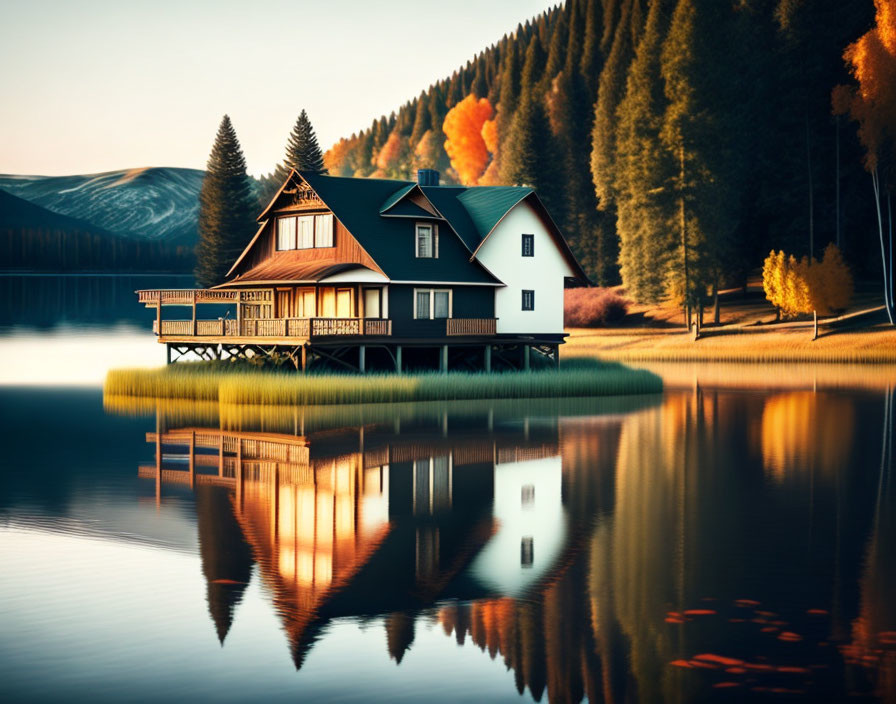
773,275
464,142
808,285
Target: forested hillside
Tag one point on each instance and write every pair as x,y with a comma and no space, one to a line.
675,141
33,238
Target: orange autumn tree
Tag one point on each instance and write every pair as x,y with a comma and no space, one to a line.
465,143
872,103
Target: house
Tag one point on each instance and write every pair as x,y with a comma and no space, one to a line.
374,273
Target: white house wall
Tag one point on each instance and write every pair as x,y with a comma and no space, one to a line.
528,507
543,273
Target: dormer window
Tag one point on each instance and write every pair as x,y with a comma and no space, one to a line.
427,241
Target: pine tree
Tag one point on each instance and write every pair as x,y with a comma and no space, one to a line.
422,120
611,89
528,156
700,127
226,208
644,168
302,150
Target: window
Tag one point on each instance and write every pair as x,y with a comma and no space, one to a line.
427,241
430,304
527,551
528,300
323,230
440,304
305,231
286,233
528,245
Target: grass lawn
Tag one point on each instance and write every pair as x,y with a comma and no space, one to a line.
747,333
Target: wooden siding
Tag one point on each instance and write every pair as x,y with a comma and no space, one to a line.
346,248
467,302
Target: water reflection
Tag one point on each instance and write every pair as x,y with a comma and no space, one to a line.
47,301
715,542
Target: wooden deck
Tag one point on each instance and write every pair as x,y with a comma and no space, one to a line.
252,326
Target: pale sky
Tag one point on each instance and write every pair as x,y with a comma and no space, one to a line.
97,85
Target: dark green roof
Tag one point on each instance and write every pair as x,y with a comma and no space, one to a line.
407,209
360,204
488,204
397,196
357,202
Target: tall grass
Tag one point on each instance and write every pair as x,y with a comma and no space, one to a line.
576,378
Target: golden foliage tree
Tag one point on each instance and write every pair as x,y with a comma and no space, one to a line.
808,285
465,144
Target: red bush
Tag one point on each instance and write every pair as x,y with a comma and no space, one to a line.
592,307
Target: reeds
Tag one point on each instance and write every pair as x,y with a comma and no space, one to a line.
202,382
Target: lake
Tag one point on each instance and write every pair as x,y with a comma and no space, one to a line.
730,539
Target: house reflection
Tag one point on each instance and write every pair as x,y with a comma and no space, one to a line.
673,552
370,520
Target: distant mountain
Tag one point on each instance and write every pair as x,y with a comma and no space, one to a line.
159,204
20,214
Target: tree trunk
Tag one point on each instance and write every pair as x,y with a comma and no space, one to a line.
811,193
717,309
837,185
887,265
814,325
684,238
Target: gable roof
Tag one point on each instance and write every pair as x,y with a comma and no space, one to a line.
357,202
376,213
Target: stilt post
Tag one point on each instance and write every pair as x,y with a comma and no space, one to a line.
526,361
488,358
362,358
398,359
443,358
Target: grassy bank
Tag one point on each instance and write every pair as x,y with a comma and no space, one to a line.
868,345
223,383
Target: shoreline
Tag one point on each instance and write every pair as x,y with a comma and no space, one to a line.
873,345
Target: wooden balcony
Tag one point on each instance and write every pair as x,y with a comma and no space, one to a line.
189,296
274,328
471,326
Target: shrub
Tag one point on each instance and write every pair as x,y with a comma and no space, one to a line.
591,307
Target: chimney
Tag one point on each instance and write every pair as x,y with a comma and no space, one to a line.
427,177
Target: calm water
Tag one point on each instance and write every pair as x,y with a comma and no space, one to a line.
732,539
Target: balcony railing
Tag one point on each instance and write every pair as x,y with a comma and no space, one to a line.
188,296
275,327
471,326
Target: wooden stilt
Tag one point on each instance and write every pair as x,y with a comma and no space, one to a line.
362,358
168,353
488,358
398,359
304,357
526,361
443,358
